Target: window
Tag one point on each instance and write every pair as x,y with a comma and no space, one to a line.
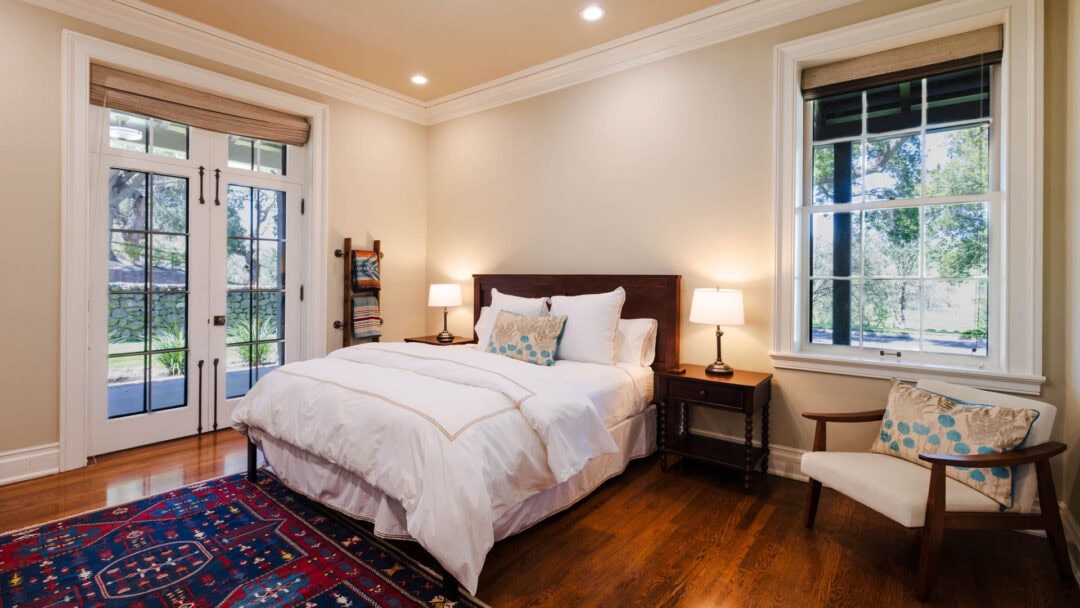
908,198
897,218
136,133
256,155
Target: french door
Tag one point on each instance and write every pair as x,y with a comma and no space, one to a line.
196,266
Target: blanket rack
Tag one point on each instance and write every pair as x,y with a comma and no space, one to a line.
351,291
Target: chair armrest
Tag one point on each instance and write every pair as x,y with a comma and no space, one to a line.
1043,451
847,416
821,419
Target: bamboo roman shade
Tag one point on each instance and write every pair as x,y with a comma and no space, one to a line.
967,50
130,92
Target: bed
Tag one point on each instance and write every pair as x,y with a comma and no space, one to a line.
454,447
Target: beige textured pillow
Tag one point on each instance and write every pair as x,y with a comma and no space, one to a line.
920,422
529,339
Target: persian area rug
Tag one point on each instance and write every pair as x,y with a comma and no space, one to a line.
224,542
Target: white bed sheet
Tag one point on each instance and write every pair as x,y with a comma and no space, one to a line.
331,485
618,391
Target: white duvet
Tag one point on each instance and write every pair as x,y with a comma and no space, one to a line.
457,436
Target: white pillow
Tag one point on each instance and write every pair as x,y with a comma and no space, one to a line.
526,307
591,319
635,341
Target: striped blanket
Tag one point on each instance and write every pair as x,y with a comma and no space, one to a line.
366,321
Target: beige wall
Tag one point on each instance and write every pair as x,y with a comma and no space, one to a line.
1071,173
667,168
377,188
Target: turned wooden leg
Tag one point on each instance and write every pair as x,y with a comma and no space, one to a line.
252,461
765,440
933,532
748,468
1055,532
813,495
661,439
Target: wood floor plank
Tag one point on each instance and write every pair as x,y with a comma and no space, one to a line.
690,537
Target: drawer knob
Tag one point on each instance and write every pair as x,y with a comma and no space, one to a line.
701,392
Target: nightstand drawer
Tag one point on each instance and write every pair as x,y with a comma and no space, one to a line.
712,393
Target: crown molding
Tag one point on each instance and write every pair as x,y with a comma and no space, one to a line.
723,21
712,25
163,27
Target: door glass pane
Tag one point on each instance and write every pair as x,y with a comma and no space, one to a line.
128,131
238,371
170,262
241,152
127,323
147,344
271,157
169,208
170,139
255,277
127,261
168,384
127,200
127,385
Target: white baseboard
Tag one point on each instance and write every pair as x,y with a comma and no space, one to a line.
28,463
1072,539
784,461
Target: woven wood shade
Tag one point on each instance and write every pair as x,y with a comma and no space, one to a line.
967,50
129,92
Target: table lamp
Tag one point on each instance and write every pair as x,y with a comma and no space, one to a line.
445,295
715,306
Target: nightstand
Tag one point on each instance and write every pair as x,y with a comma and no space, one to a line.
742,392
434,340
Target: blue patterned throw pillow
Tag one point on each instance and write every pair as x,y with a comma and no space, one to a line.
920,422
529,339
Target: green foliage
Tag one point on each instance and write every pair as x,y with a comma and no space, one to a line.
264,329
170,338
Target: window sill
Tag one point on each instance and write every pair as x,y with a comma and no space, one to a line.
993,380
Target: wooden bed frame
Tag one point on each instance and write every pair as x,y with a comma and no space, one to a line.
647,297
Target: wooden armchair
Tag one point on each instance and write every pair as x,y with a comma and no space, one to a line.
916,497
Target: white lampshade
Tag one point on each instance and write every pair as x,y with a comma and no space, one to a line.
444,294
714,306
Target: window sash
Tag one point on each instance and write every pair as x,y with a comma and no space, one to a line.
804,209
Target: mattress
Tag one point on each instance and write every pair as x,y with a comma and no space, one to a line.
617,391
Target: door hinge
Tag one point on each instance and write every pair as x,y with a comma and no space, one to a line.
301,293
303,204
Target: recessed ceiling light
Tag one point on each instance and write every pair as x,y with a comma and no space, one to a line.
592,12
419,79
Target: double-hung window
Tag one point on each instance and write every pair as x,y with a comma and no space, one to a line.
908,198
896,217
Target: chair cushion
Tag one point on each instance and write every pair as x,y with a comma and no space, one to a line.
893,487
1025,483
919,421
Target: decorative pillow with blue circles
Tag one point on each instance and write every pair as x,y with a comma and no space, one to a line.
529,339
920,422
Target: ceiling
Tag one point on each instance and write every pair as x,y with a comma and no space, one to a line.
457,44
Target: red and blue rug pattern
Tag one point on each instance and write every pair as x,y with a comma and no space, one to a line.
224,542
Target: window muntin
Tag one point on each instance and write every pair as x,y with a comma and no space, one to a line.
896,219
136,133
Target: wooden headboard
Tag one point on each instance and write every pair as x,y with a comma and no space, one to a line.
648,296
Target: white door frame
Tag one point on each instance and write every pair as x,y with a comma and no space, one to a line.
77,51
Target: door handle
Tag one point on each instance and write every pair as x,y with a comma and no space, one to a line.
201,362
219,320
215,391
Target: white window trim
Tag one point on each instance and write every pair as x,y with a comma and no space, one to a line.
1019,343
77,52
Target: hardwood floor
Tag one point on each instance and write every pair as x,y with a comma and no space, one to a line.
687,538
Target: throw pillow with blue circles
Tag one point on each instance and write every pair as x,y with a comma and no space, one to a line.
529,339
921,422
